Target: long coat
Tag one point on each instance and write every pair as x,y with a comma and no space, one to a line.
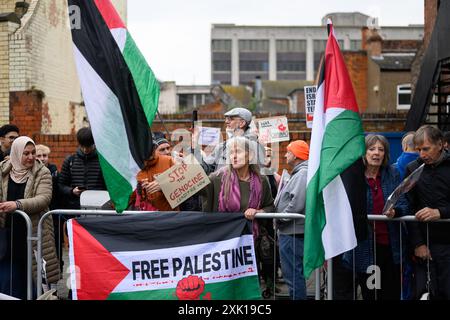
37,197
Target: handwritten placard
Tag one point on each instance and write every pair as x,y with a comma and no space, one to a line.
273,130
209,136
182,181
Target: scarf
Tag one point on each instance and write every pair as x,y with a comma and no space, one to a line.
233,203
19,173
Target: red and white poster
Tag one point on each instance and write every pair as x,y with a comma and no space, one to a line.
310,105
273,130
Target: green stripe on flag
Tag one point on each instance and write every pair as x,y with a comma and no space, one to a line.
119,188
314,253
246,288
343,144
146,83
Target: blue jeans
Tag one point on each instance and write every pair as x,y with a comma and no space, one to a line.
291,258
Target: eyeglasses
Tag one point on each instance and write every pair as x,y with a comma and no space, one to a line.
231,118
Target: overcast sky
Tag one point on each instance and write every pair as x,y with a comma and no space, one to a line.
174,35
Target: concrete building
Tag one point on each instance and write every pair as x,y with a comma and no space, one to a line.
241,53
180,99
37,67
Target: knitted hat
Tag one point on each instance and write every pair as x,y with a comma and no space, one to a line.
160,141
300,149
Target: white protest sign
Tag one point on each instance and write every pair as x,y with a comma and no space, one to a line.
182,181
273,130
209,136
310,105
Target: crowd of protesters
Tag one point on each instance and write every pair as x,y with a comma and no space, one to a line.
413,258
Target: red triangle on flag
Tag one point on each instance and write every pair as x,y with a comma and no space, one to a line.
339,91
98,272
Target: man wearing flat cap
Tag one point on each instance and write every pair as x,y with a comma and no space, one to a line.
237,122
292,199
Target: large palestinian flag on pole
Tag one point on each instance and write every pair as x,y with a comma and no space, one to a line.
187,256
120,93
336,189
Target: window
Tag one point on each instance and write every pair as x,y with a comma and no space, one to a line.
355,45
319,49
404,96
221,65
221,45
291,59
254,45
291,45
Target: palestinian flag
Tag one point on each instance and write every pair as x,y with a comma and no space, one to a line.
188,256
335,197
120,93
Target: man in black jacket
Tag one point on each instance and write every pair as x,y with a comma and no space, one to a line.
430,201
80,171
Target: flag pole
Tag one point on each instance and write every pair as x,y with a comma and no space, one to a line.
164,125
318,284
330,279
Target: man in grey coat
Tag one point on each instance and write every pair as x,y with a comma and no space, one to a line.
237,122
291,199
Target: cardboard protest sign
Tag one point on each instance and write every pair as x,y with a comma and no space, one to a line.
273,130
182,181
209,136
310,105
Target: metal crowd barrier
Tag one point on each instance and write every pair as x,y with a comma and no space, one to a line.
29,274
113,213
375,218
329,276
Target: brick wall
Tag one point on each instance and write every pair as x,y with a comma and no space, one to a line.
60,146
7,5
357,67
4,73
394,122
6,29
26,111
42,58
430,14
63,145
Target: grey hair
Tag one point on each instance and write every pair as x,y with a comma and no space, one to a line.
251,148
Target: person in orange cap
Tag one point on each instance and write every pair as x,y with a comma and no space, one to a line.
292,199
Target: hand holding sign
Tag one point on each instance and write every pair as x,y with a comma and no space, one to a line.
404,187
182,181
273,130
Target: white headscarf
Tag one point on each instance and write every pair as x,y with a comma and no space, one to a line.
19,173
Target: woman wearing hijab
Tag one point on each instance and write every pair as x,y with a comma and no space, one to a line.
26,185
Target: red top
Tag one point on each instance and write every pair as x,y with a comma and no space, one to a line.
381,230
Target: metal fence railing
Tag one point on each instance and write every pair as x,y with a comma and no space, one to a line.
75,213
323,276
381,218
29,239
